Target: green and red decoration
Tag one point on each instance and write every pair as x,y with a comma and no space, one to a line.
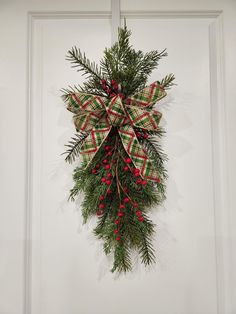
121,173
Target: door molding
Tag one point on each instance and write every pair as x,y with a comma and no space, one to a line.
219,168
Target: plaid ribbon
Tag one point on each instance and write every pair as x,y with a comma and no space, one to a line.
96,115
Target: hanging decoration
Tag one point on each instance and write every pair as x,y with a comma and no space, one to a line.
122,172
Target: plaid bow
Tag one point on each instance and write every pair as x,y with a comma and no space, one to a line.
97,115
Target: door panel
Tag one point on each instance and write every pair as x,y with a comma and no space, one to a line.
68,264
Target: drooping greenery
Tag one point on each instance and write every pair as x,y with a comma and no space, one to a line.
130,69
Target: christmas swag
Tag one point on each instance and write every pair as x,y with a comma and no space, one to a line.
122,173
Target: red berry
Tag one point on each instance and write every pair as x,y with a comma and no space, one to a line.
109,153
116,231
144,182
126,200
138,134
107,167
104,87
99,212
97,166
135,204
136,170
101,206
126,168
109,90
120,214
122,206
141,218
109,175
145,135
158,180
118,238
138,213
109,191
136,174
107,147
113,95
104,81
139,181
125,189
117,221
108,182
105,161
113,82
94,171
102,198
104,179
128,160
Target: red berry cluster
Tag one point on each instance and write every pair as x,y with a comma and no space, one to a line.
106,179
111,89
143,135
135,171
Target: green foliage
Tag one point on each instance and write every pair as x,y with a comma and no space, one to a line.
130,69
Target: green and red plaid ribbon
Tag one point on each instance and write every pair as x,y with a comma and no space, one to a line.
96,115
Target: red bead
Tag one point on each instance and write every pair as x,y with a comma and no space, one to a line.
120,214
94,171
101,206
105,161
102,198
117,221
141,218
104,81
144,182
109,153
126,168
122,206
126,200
108,182
99,212
107,167
104,179
128,160
116,231
97,166
138,213
135,204
118,238
139,181
109,175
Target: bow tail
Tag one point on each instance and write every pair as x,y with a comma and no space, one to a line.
93,142
137,153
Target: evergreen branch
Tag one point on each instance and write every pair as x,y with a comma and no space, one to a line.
80,61
167,81
122,260
74,146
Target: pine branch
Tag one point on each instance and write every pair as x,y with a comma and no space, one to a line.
122,260
167,81
74,146
83,64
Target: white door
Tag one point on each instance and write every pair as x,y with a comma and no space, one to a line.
50,263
